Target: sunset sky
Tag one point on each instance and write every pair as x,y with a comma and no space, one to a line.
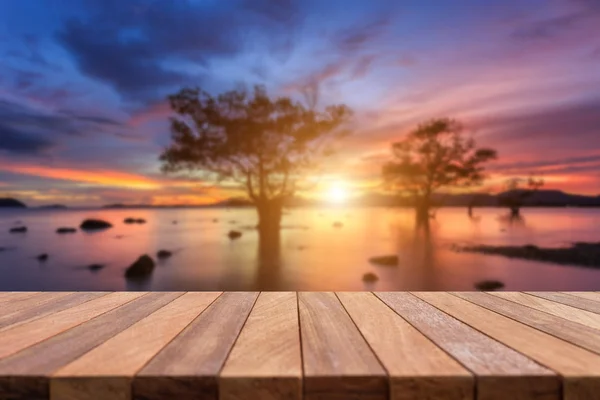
83,82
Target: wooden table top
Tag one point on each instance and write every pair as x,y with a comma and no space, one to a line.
305,345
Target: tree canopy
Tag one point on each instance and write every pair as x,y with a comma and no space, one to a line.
265,144
435,155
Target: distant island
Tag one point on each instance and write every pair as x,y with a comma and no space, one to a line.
6,202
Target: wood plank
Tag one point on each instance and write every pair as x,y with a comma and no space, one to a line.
265,362
573,332
551,307
594,296
14,306
38,307
502,373
580,368
25,375
569,299
331,371
22,336
418,369
106,372
188,367
15,296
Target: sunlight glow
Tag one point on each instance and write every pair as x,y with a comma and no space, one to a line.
337,193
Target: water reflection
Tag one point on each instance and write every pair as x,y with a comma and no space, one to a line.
321,257
269,263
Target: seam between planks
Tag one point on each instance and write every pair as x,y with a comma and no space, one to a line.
174,337
364,338
562,377
72,327
218,374
575,309
301,347
473,374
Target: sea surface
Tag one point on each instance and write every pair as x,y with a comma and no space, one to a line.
311,255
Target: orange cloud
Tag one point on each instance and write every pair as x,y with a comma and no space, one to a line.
96,177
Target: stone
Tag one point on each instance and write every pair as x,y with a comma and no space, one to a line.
162,254
141,268
18,229
489,285
94,225
234,235
387,261
42,257
63,231
370,277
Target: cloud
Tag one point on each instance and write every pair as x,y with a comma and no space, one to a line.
130,46
17,142
30,131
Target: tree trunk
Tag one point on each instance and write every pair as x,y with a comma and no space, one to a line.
269,218
515,212
422,212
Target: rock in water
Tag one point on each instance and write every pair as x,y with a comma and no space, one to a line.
338,225
42,257
489,286
388,261
234,235
141,268
370,277
18,229
162,254
130,221
95,267
66,230
94,225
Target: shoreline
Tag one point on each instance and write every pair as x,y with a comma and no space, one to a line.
580,254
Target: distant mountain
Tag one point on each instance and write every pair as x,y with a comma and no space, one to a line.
11,203
542,198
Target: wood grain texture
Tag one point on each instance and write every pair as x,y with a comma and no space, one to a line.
188,367
418,369
106,372
573,332
265,362
591,304
22,309
551,307
6,297
580,368
594,296
22,336
502,373
25,375
330,370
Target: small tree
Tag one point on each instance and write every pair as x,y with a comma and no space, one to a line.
265,145
517,191
433,156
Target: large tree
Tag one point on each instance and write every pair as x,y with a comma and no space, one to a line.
265,145
433,156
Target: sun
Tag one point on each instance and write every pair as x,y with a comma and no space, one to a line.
337,193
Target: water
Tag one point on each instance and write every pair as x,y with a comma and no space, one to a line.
312,255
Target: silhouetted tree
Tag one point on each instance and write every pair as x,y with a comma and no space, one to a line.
517,191
264,144
433,156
